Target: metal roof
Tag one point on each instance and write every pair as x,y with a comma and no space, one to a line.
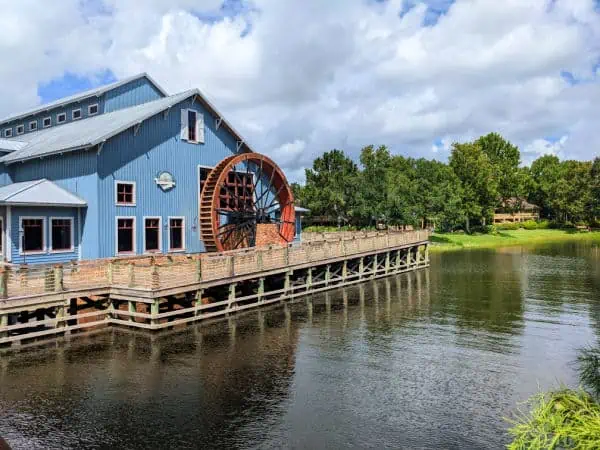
10,145
96,92
38,193
86,133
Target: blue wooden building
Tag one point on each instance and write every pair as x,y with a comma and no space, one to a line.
114,171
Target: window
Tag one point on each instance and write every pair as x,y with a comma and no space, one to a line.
47,122
176,234
152,234
125,235
33,125
20,129
204,171
8,132
76,114
125,192
61,234
61,118
192,124
32,235
93,109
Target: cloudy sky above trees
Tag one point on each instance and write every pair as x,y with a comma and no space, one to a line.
301,77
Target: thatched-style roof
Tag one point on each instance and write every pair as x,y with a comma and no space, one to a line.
518,203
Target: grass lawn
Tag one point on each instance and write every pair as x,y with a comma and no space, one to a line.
457,241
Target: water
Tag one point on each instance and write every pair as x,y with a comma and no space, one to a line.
434,359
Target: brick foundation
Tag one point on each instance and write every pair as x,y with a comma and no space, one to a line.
268,234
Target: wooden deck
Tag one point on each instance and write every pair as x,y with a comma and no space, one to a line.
157,292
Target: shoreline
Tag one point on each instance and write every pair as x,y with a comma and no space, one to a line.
442,242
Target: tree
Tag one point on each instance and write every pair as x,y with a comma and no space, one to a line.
505,159
372,192
594,201
331,185
479,187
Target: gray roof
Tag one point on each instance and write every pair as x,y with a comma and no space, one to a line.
96,92
86,133
10,145
40,193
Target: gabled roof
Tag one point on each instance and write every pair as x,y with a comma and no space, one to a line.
93,131
11,145
39,193
96,92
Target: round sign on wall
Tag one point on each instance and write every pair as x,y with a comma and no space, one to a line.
165,181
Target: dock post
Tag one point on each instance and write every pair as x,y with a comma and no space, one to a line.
154,310
387,261
231,298
427,254
327,274
198,299
132,309
3,323
287,283
374,265
398,259
261,289
408,251
60,314
361,267
309,279
344,270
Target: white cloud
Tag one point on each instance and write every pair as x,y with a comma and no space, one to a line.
298,78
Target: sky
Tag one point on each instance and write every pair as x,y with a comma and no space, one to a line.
298,78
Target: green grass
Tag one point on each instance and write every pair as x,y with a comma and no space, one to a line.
457,241
563,419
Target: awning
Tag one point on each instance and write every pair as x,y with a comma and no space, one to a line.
38,193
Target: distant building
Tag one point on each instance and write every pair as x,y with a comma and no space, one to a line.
114,171
516,209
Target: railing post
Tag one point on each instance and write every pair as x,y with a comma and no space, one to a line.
131,274
4,273
155,277
259,260
286,255
232,265
343,242
58,278
110,272
198,268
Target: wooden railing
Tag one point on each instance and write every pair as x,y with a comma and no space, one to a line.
516,217
167,271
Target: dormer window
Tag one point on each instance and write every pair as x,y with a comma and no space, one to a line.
8,132
76,114
61,118
33,125
47,122
93,109
20,129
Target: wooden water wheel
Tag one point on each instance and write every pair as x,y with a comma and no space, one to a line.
246,201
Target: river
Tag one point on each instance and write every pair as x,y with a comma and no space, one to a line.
433,359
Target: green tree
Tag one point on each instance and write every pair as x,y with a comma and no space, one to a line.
594,201
505,159
479,187
331,185
372,192
546,173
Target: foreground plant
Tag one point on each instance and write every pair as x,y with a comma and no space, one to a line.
588,360
563,419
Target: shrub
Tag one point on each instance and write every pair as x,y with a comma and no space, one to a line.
508,226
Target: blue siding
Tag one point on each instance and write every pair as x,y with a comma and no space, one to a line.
5,175
47,256
156,148
131,94
75,172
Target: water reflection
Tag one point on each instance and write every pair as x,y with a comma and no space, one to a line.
432,359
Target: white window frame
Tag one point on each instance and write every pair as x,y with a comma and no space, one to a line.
73,114
59,115
8,132
72,248
134,251
160,248
20,129
176,250
117,182
22,235
185,131
49,118
36,125
90,113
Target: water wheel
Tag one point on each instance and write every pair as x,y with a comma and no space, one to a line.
246,201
